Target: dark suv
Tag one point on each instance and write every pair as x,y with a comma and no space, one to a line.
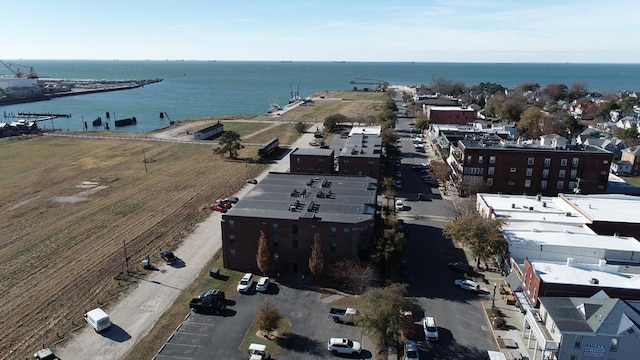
461,267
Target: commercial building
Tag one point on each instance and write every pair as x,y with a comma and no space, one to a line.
291,209
450,114
571,328
530,168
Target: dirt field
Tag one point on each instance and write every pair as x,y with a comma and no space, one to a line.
71,207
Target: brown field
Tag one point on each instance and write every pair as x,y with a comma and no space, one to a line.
70,205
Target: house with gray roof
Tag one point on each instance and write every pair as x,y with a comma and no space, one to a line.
571,328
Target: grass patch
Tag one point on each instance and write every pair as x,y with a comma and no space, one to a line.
273,348
244,128
353,301
633,180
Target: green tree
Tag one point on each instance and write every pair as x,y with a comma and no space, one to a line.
387,246
229,143
263,255
380,313
422,122
571,125
331,122
482,236
529,123
631,133
268,317
316,260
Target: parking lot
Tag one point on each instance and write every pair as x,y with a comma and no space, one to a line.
202,336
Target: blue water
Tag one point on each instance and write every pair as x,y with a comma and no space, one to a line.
194,89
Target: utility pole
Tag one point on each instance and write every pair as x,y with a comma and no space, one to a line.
145,160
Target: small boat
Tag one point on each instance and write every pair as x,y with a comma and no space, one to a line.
125,122
97,121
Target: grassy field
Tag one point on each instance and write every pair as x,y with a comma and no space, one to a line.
69,204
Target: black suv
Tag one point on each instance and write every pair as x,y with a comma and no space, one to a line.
461,267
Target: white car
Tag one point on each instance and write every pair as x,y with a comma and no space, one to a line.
263,284
467,285
399,205
343,346
244,285
430,328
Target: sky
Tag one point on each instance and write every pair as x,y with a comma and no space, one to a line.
547,31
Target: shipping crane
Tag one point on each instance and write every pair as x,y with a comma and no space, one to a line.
19,73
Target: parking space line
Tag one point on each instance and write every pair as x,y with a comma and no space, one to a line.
190,333
186,345
199,323
159,356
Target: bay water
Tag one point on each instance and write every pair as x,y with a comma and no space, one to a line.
195,89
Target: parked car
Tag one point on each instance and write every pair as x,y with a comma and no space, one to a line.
346,316
263,284
461,267
209,304
430,328
45,354
401,226
252,181
233,199
213,292
399,205
343,346
168,256
467,285
411,350
218,207
314,143
244,285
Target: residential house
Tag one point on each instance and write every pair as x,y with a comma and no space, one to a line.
632,155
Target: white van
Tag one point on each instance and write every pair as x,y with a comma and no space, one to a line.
496,355
430,328
97,319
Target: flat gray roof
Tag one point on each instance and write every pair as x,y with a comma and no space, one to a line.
514,145
312,151
331,198
360,145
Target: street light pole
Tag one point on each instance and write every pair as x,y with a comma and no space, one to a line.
493,300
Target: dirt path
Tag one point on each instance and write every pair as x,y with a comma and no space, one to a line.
135,315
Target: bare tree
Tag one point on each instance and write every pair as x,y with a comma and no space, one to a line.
268,317
354,275
263,256
316,260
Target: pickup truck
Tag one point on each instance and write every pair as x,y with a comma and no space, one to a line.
345,316
45,354
208,304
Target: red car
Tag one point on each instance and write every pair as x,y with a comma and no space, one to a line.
218,207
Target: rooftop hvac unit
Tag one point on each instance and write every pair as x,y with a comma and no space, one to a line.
568,213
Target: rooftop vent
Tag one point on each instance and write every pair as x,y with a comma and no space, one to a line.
530,208
544,204
594,281
570,261
568,213
513,206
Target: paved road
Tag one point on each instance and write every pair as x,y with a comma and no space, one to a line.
464,333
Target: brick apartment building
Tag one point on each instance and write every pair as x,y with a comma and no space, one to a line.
518,168
311,161
290,209
450,115
361,155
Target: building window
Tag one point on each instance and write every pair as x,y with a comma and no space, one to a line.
275,243
294,229
492,159
530,161
543,184
294,244
480,159
233,253
512,170
490,181
562,174
614,345
578,342
605,161
571,185
545,173
274,227
573,174
491,170
469,158
573,357
333,246
547,162
297,160
603,173
563,162
511,183
529,171
345,231
334,230
527,183
345,161
276,256
372,163
231,224
560,185
232,239
574,162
